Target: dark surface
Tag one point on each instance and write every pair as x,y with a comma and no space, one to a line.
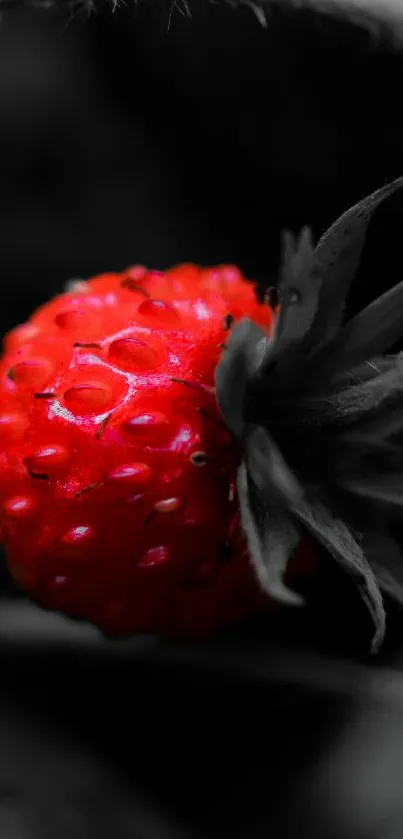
242,737
122,143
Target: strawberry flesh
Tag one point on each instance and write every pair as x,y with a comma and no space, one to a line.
117,475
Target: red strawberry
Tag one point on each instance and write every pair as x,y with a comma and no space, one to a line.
117,475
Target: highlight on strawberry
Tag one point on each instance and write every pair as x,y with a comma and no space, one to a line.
171,445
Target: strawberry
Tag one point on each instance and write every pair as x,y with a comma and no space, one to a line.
117,474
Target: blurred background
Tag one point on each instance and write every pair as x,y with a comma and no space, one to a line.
153,137
144,136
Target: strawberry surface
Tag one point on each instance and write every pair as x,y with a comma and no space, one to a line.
117,475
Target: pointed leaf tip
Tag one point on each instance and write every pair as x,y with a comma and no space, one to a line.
386,560
338,254
299,287
341,544
297,258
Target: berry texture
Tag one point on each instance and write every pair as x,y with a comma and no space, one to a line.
117,474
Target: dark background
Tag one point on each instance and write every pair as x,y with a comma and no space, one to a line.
124,141
135,137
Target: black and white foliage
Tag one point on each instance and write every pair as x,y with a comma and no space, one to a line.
318,409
